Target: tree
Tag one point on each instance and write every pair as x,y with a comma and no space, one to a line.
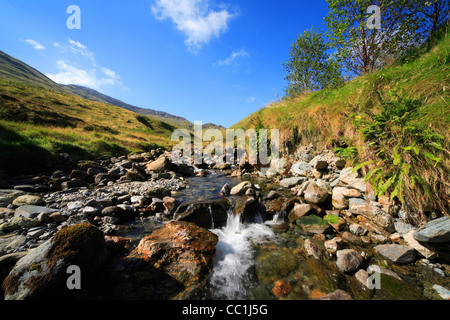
403,25
310,67
436,13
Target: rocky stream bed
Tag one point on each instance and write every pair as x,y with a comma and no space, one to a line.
142,227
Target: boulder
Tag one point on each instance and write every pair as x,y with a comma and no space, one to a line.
7,196
182,250
29,211
292,182
162,164
349,177
19,222
399,254
42,273
316,193
425,250
301,168
435,231
348,260
121,212
11,243
335,221
28,200
313,224
338,199
241,188
205,214
300,210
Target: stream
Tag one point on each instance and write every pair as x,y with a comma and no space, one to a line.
251,257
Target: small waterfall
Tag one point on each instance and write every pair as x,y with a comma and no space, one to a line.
235,256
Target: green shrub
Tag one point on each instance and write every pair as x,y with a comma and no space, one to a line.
405,156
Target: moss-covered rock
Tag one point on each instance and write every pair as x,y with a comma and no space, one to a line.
42,272
313,224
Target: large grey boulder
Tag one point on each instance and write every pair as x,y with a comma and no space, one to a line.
30,211
436,231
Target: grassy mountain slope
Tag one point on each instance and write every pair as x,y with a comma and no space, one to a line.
18,71
324,117
94,95
37,123
15,70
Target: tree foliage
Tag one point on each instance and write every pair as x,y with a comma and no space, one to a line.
404,24
310,66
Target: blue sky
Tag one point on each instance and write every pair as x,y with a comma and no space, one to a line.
206,60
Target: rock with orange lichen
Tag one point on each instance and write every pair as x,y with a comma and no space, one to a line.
281,288
182,250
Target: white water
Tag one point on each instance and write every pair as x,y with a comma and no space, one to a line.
235,255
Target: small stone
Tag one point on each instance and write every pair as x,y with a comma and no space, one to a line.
333,245
399,254
312,249
348,260
337,295
292,182
357,229
442,291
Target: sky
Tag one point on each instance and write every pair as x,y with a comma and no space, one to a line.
214,61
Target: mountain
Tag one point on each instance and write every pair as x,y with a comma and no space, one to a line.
94,95
16,70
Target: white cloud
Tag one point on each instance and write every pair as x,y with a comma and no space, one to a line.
84,73
36,45
194,19
231,59
250,99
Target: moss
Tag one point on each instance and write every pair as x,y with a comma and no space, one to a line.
331,218
82,244
311,219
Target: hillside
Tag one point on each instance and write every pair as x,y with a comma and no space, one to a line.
393,121
36,124
18,71
94,95
324,117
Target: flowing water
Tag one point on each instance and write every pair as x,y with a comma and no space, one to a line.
251,257
234,257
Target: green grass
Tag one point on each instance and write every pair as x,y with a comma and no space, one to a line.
36,124
326,118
